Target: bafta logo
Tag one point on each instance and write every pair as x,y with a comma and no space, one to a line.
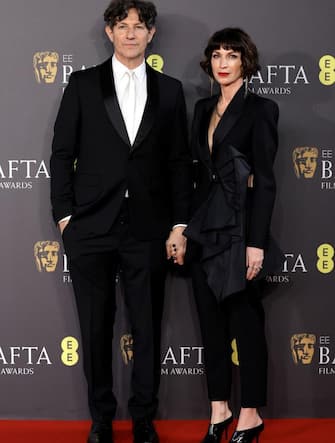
45,66
46,255
302,347
305,160
126,346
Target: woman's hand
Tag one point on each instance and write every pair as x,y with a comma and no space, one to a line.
254,261
176,245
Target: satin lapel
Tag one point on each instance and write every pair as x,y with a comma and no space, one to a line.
111,102
230,117
150,109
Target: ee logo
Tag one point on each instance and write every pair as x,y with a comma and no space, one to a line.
327,70
69,347
325,263
156,62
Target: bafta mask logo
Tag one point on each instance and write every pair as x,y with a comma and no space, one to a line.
302,347
305,160
45,66
126,346
46,255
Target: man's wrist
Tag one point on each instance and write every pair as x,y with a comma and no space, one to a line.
179,225
64,219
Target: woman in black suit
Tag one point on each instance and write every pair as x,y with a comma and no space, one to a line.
234,142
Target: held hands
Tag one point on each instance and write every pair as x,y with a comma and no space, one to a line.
176,245
254,260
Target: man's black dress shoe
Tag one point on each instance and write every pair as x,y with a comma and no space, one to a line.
100,433
144,431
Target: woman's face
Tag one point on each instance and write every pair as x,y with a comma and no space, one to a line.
226,66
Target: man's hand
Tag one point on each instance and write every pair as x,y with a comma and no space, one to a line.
176,245
62,225
254,261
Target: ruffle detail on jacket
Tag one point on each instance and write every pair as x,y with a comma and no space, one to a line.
219,226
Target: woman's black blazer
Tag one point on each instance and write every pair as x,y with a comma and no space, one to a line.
249,124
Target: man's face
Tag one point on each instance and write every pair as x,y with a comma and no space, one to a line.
49,258
307,163
47,68
130,38
305,350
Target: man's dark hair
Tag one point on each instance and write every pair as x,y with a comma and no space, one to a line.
118,11
237,40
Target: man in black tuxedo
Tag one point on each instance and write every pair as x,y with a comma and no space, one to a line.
123,126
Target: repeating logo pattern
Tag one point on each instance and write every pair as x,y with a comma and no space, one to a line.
46,255
325,262
305,160
327,70
69,346
45,65
302,348
156,61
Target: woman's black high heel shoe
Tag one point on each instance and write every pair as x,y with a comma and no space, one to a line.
214,433
248,435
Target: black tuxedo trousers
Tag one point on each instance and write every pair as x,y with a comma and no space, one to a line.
241,317
93,272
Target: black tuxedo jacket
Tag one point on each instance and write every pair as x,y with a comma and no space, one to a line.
249,125
93,163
